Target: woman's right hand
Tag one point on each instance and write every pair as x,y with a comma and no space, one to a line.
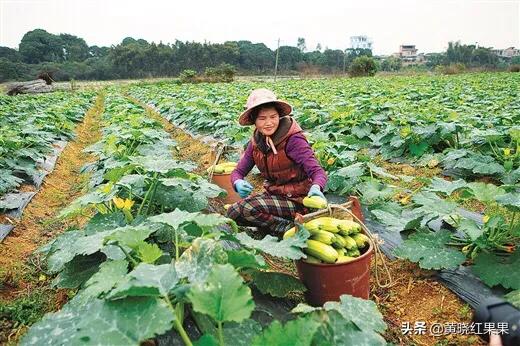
243,188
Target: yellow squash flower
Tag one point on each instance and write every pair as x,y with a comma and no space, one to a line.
119,202
123,203
106,189
128,203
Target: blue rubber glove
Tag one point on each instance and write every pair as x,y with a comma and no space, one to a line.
315,190
243,188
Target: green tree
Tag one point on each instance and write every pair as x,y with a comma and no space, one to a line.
256,57
353,53
301,44
40,46
98,52
74,48
363,66
332,60
391,64
289,58
10,54
484,57
435,59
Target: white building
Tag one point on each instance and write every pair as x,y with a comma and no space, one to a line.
360,42
507,53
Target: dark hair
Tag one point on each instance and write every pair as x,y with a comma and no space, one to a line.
254,112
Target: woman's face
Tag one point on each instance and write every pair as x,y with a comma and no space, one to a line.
267,121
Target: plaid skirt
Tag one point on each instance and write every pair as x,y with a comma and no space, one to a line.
266,211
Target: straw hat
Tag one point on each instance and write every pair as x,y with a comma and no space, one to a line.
259,97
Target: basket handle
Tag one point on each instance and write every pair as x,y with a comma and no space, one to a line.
220,149
375,242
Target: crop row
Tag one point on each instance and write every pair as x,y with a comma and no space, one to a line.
466,124
150,255
30,127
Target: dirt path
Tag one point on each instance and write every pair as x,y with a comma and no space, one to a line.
25,293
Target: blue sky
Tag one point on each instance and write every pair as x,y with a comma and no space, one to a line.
429,24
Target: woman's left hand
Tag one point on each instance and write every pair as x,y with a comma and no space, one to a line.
315,190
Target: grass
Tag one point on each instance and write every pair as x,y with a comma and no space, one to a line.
465,311
29,306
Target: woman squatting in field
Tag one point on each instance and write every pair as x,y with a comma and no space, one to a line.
286,161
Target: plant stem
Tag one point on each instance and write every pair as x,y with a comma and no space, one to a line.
178,324
132,260
220,335
176,245
147,193
512,221
493,149
152,196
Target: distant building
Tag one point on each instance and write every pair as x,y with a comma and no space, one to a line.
360,42
507,53
407,52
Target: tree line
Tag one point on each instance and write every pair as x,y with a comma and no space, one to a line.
68,57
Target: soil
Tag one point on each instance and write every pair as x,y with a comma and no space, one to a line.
20,271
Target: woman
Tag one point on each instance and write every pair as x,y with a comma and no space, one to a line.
285,159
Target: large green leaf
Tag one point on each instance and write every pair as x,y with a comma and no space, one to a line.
171,197
407,219
276,284
514,298
510,200
471,228
480,164
91,198
485,192
241,334
90,244
130,236
299,332
197,261
429,249
224,296
61,250
123,322
110,273
351,321
245,259
290,248
338,331
511,177
363,313
78,271
206,340
161,165
147,280
174,218
444,186
373,191
104,222
433,206
209,221
498,270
